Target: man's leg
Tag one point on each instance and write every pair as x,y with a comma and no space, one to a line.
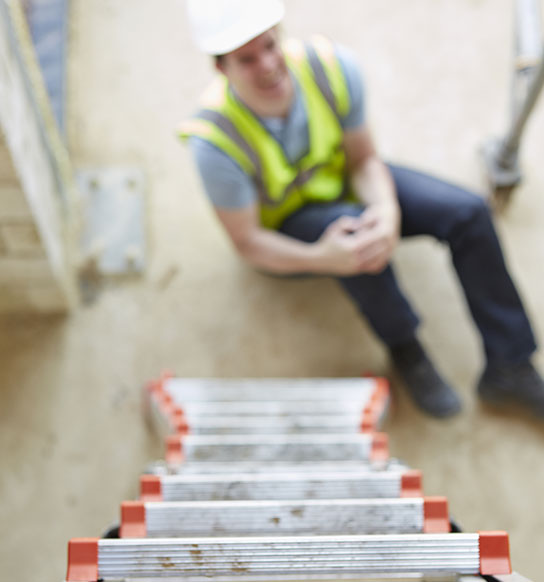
379,298
463,221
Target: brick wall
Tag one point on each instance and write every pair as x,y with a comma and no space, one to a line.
37,210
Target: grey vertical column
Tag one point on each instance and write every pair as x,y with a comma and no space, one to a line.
501,156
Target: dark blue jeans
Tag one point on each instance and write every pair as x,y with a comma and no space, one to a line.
457,218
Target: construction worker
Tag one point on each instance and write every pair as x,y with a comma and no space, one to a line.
288,162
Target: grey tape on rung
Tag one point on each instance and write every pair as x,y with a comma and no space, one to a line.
185,390
288,558
266,518
287,448
355,484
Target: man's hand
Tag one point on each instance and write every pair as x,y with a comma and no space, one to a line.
363,244
374,186
379,235
338,247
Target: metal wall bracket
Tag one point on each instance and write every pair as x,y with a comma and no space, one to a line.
113,230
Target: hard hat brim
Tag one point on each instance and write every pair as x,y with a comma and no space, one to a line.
232,39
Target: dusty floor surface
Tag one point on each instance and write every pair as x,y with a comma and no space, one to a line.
72,440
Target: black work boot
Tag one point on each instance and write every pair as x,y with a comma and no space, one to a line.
427,388
504,384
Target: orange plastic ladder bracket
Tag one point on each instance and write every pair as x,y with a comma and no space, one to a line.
435,515
150,488
411,484
82,560
132,519
494,553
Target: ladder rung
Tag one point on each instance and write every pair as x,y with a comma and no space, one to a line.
178,405
310,485
272,408
274,424
268,518
185,390
256,467
254,418
288,558
265,448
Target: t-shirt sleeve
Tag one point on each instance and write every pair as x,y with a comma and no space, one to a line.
354,80
224,181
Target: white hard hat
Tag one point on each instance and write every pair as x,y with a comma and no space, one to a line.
221,26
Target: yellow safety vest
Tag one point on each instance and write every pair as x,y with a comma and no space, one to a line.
283,187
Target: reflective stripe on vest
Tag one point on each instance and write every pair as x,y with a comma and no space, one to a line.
282,187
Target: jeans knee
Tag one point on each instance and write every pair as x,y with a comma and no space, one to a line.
349,209
472,219
474,208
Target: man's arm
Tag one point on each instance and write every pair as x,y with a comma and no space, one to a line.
374,186
234,199
336,251
349,246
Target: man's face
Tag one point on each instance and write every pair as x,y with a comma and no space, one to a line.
257,70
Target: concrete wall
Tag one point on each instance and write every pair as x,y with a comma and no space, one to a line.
37,223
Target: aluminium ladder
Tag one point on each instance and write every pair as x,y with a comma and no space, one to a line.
295,500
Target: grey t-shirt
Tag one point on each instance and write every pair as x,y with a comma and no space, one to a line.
224,181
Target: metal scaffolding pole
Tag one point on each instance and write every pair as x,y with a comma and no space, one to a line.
501,155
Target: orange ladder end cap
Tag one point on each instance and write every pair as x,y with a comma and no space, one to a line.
174,450
180,426
82,560
165,402
411,484
380,394
436,517
369,419
178,421
166,398
380,397
132,519
382,387
494,553
379,448
150,488
177,412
